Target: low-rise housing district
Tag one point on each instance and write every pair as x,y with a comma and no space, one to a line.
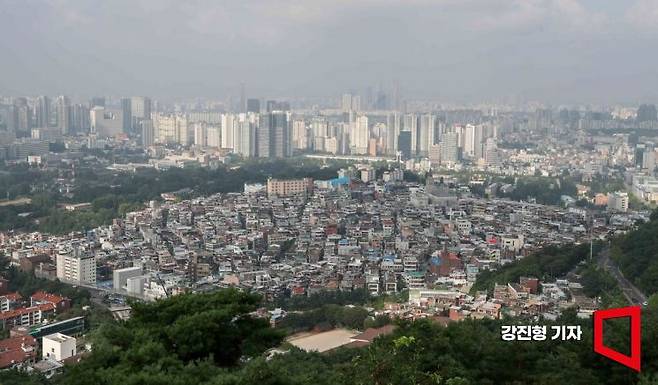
298,237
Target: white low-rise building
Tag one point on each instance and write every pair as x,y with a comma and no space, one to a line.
58,347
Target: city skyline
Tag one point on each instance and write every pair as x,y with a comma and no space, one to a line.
554,50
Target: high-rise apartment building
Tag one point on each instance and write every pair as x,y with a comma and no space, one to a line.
426,134
23,116
300,139
148,133
228,128
42,111
244,136
200,134
80,118
392,133
360,135
213,136
8,118
63,110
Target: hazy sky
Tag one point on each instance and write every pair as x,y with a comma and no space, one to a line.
474,50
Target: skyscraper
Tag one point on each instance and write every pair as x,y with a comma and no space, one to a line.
63,109
126,114
140,108
468,141
23,116
299,135
392,132
346,103
213,133
646,113
200,134
478,140
8,117
426,134
253,105
42,111
410,123
491,153
244,138
105,122
228,123
449,148
360,135
273,137
273,105
80,118
148,133
243,99
404,144
97,101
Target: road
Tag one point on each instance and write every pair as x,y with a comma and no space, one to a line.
634,295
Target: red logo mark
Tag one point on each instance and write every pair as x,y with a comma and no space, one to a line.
632,361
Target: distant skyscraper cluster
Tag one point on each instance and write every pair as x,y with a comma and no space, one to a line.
368,123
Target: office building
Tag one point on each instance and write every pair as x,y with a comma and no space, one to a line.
646,113
404,144
253,105
273,105
449,148
273,137
97,101
410,123
126,114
